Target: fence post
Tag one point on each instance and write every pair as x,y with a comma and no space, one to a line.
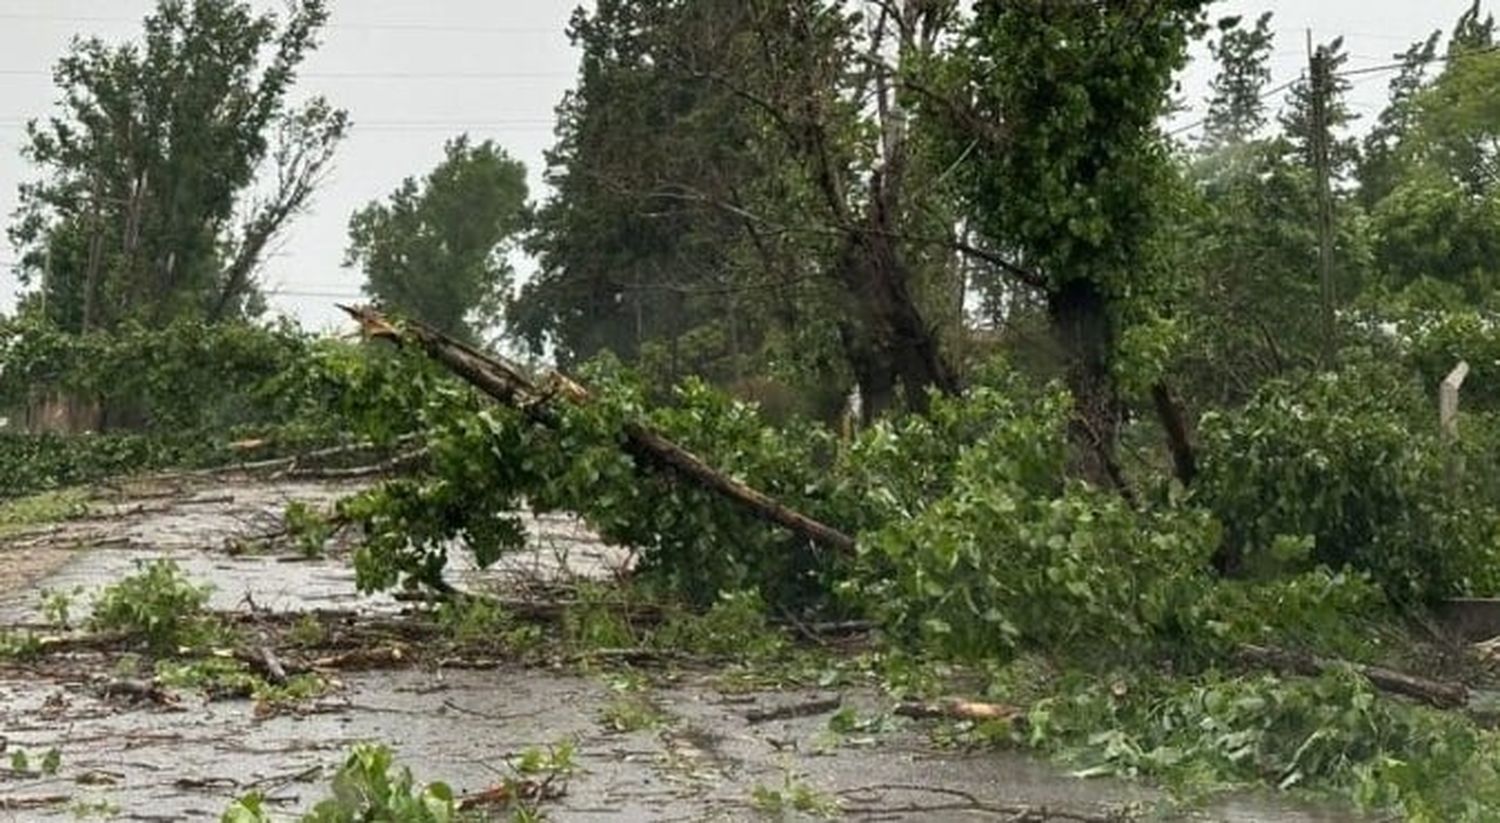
1448,417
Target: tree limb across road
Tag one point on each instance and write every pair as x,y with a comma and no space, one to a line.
509,383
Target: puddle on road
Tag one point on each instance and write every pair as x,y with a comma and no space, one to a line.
461,725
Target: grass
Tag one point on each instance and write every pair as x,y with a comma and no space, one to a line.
792,798
631,713
24,513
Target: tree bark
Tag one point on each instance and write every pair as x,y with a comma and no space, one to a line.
873,373
902,345
1079,310
1179,439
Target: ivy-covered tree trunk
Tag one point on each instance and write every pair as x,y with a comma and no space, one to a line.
1080,318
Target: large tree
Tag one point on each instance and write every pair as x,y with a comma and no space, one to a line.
1050,113
1432,174
1251,241
729,171
1237,107
437,249
144,207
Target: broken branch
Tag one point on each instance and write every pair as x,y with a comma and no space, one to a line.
1435,692
791,711
509,384
954,709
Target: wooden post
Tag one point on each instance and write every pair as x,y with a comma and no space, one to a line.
1448,400
1448,418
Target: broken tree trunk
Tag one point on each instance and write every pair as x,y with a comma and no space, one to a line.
509,384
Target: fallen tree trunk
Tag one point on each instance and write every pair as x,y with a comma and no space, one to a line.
1435,692
509,384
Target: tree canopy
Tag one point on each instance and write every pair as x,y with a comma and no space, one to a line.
437,249
144,208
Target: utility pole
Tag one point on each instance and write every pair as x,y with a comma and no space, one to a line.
1320,82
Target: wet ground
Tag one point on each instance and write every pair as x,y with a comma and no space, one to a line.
705,758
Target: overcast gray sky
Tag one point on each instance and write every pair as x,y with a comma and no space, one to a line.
413,73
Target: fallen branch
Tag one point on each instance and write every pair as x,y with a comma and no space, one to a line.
513,791
92,642
303,461
1435,692
19,804
396,464
508,383
380,658
264,662
955,709
790,711
139,690
877,802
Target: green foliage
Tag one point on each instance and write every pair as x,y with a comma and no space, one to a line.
436,251
484,623
143,209
51,761
1236,111
554,760
995,568
39,509
1429,226
793,797
189,390
309,527
1329,734
1340,459
734,627
15,645
226,677
593,623
367,787
1072,185
176,377
157,605
308,632
57,606
42,463
631,713
485,463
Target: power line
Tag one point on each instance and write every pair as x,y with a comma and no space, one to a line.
336,26
402,126
375,75
1364,70
335,295
1263,95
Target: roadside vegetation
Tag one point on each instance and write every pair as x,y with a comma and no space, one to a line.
1146,460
